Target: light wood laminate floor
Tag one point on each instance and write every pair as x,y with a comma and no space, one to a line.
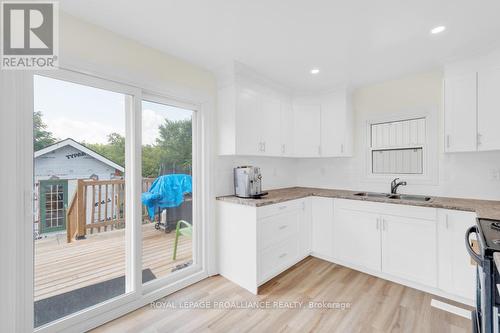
377,305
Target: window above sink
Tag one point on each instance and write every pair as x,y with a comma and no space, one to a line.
403,145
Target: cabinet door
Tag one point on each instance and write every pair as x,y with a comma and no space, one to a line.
457,274
409,249
460,113
307,130
334,125
270,124
488,109
248,118
286,129
357,238
322,226
305,229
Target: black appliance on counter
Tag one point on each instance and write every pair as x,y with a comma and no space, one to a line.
485,318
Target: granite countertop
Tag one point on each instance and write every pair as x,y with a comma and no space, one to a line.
484,208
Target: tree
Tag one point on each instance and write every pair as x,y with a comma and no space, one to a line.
41,137
113,150
175,143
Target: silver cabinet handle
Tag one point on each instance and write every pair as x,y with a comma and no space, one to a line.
282,207
384,226
448,141
446,222
283,148
263,146
342,148
479,137
283,255
282,227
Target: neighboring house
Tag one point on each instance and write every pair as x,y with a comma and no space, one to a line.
57,169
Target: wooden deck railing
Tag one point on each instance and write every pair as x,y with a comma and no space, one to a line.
98,205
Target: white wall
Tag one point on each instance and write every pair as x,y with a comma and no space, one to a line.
460,175
88,48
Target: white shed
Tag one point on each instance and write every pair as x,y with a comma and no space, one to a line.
57,169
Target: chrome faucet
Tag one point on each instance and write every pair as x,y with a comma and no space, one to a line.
395,184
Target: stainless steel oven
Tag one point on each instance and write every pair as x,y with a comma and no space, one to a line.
485,317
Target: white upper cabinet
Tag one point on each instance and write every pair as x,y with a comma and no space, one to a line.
248,106
472,104
488,109
269,126
336,124
256,117
460,113
250,114
287,126
306,130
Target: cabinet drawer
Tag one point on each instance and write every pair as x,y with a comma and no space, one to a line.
276,228
277,258
280,208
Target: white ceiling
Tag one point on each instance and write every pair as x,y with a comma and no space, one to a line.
351,41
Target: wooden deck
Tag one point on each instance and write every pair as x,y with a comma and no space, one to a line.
62,267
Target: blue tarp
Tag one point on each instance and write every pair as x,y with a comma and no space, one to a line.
166,192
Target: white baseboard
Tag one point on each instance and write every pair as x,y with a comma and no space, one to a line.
451,308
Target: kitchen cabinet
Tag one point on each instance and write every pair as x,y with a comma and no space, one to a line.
307,130
336,124
322,226
472,104
460,103
488,116
258,243
357,237
248,141
257,117
409,248
287,127
250,115
420,247
394,240
457,273
269,128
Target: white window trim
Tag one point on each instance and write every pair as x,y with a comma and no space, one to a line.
143,294
430,148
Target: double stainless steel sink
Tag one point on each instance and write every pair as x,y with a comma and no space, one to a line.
407,197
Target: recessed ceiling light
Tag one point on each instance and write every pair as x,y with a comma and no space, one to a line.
438,29
315,71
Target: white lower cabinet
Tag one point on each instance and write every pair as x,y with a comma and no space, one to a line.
409,249
417,246
457,273
357,237
258,243
322,227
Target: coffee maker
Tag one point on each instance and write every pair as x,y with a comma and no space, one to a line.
248,182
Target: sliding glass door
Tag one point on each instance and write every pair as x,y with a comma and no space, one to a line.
80,209
115,206
168,222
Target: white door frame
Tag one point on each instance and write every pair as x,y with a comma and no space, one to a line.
137,295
